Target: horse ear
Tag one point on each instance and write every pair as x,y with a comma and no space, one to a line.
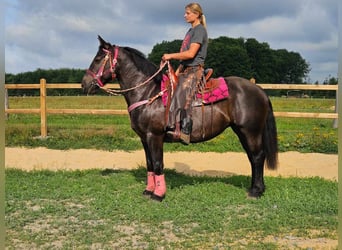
103,43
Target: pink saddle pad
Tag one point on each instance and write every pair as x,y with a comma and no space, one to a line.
219,93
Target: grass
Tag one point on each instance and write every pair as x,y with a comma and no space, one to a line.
105,210
114,132
303,105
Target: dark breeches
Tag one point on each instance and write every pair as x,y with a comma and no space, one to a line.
181,103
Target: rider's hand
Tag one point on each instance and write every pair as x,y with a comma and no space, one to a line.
166,57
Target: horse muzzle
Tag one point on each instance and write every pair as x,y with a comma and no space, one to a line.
89,85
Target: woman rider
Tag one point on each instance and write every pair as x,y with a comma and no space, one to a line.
190,73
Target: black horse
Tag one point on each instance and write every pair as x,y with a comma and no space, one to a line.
247,110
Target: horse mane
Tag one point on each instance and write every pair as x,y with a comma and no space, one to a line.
142,63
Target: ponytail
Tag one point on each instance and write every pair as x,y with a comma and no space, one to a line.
203,21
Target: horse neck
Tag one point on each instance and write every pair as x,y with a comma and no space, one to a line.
129,78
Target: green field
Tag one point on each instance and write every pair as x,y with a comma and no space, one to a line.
109,132
105,210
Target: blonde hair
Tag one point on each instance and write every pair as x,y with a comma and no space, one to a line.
197,9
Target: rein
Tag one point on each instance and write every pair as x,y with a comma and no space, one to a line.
117,92
152,99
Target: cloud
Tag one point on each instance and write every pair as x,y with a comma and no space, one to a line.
63,33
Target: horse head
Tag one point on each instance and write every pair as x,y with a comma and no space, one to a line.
101,69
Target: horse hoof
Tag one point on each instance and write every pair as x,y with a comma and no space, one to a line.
252,194
157,197
147,193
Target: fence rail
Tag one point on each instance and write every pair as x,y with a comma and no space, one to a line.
297,86
43,110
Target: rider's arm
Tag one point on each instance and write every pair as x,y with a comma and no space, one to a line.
184,55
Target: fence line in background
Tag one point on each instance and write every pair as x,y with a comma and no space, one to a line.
43,110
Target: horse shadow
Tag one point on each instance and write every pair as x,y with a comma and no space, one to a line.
182,175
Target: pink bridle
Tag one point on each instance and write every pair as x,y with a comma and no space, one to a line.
97,76
108,57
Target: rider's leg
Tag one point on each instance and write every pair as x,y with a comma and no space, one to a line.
181,105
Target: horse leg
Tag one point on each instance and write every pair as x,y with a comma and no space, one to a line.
252,143
155,167
150,182
257,160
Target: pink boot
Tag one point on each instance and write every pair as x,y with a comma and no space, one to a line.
160,189
150,184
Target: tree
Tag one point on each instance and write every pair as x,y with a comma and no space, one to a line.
165,47
51,75
246,58
290,67
228,57
261,59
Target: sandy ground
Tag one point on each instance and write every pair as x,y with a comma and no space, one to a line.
193,163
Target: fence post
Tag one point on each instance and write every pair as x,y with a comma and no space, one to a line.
6,103
335,122
43,120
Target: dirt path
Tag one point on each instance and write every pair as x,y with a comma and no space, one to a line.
194,163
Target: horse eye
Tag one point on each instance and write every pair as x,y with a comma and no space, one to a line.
98,58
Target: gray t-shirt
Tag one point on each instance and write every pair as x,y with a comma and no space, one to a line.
199,35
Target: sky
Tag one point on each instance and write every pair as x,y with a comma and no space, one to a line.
53,34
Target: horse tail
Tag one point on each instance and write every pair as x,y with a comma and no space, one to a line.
270,140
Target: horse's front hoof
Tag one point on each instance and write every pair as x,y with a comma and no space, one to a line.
157,197
147,193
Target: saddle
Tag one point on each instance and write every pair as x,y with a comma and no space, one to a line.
215,89
210,84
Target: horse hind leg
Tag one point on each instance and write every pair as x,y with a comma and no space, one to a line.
252,143
257,160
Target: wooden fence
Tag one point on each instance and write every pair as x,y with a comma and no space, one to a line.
43,110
